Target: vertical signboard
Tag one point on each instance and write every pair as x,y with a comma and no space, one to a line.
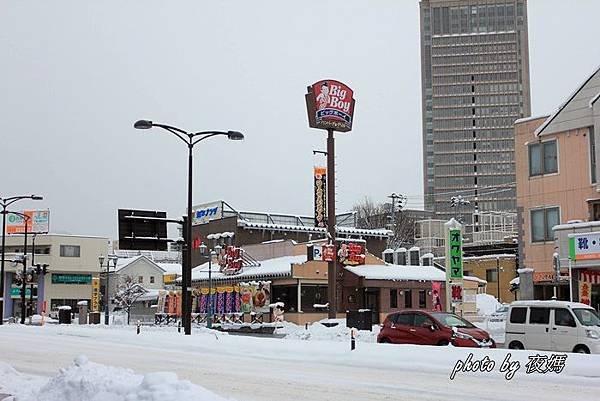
95,294
454,264
320,178
455,248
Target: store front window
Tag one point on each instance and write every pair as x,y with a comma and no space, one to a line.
288,295
313,295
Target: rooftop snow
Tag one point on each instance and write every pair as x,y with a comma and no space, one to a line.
340,230
277,267
397,272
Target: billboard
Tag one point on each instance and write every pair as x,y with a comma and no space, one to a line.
38,222
584,246
202,214
138,233
330,105
320,177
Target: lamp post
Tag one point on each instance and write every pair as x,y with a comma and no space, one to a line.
190,139
24,273
211,254
114,259
5,203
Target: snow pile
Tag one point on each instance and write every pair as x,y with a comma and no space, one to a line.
13,382
486,304
320,332
88,381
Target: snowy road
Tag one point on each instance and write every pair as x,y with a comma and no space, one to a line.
246,368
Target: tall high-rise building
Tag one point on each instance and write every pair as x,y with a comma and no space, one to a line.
475,84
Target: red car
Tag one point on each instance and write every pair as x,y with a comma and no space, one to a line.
432,328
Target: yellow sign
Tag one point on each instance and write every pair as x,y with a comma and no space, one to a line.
95,294
169,278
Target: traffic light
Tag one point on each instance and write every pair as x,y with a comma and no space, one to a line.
41,268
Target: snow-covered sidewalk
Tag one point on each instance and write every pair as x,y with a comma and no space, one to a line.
250,368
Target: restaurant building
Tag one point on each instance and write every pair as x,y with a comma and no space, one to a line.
287,272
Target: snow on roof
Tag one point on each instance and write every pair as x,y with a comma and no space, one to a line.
170,268
397,272
526,119
525,270
124,262
585,224
149,295
473,278
276,267
340,230
493,256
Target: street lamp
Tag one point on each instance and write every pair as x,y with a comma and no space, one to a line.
6,202
190,139
114,259
216,251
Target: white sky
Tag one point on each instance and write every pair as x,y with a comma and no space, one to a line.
75,75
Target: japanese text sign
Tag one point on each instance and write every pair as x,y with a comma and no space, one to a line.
584,246
455,252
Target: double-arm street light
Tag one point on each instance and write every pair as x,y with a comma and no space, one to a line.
5,203
190,139
114,259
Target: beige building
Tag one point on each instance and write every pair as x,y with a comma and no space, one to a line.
72,263
556,180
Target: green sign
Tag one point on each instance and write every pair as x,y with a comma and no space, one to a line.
15,292
71,278
455,251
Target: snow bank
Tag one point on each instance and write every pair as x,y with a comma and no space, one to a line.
486,304
88,381
319,332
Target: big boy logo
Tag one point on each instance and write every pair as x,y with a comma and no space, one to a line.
330,105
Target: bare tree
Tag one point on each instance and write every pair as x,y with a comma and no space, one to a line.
372,215
128,291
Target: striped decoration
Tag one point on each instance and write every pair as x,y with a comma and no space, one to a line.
590,276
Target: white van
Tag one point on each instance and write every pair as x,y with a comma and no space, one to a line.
552,326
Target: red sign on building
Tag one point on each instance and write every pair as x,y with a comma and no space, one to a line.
230,260
329,253
351,254
330,105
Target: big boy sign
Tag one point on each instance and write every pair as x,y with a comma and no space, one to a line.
330,105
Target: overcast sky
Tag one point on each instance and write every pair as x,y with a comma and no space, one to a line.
75,75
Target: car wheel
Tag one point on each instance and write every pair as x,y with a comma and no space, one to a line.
581,349
443,342
515,345
385,340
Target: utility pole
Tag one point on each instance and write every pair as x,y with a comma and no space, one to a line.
393,240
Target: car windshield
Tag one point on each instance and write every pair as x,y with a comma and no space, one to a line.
587,317
502,309
450,320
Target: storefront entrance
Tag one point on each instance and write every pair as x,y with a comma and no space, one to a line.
372,303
